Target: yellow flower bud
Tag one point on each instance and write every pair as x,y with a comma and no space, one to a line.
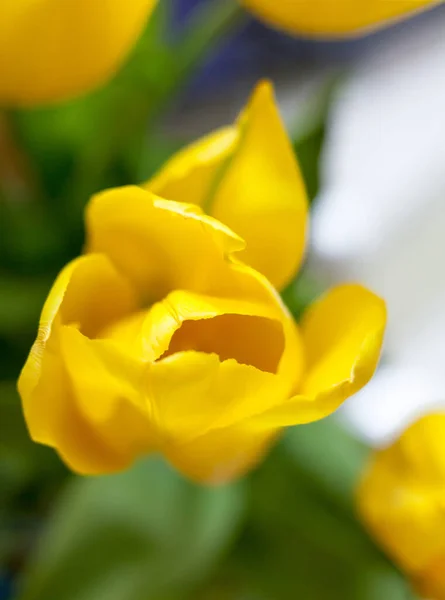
246,176
51,50
333,18
402,501
159,339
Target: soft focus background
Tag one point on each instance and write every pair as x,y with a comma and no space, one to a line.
366,120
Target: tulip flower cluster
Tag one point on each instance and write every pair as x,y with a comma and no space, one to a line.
170,334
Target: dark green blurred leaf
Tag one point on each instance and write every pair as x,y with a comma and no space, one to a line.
308,150
301,292
15,465
21,301
22,462
30,238
145,533
308,130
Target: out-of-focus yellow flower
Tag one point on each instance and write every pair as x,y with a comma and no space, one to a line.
160,340
51,50
333,18
246,176
402,500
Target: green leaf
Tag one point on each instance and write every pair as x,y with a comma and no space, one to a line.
330,457
301,292
22,462
22,299
143,534
300,542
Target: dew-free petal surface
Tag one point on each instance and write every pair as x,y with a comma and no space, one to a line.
261,195
330,19
52,50
342,336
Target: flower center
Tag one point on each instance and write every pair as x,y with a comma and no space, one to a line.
250,340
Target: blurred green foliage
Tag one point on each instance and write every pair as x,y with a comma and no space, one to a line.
143,533
288,530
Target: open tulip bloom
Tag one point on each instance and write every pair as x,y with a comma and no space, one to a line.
168,336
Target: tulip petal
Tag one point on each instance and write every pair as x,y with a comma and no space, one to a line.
250,332
329,19
88,293
214,360
222,455
54,419
108,387
247,177
401,500
194,392
189,176
342,335
160,246
49,50
261,195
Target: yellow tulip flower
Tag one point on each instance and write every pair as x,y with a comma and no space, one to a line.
402,500
246,176
159,339
333,18
51,50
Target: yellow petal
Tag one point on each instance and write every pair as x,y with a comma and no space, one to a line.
89,404
54,419
194,393
189,176
261,195
401,500
247,177
163,246
109,391
218,360
328,18
88,293
251,333
222,455
51,49
342,336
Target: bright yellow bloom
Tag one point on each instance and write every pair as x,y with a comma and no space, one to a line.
55,49
247,177
160,340
402,500
333,18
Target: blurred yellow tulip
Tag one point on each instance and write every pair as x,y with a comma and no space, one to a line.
51,50
246,176
402,500
159,339
333,18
